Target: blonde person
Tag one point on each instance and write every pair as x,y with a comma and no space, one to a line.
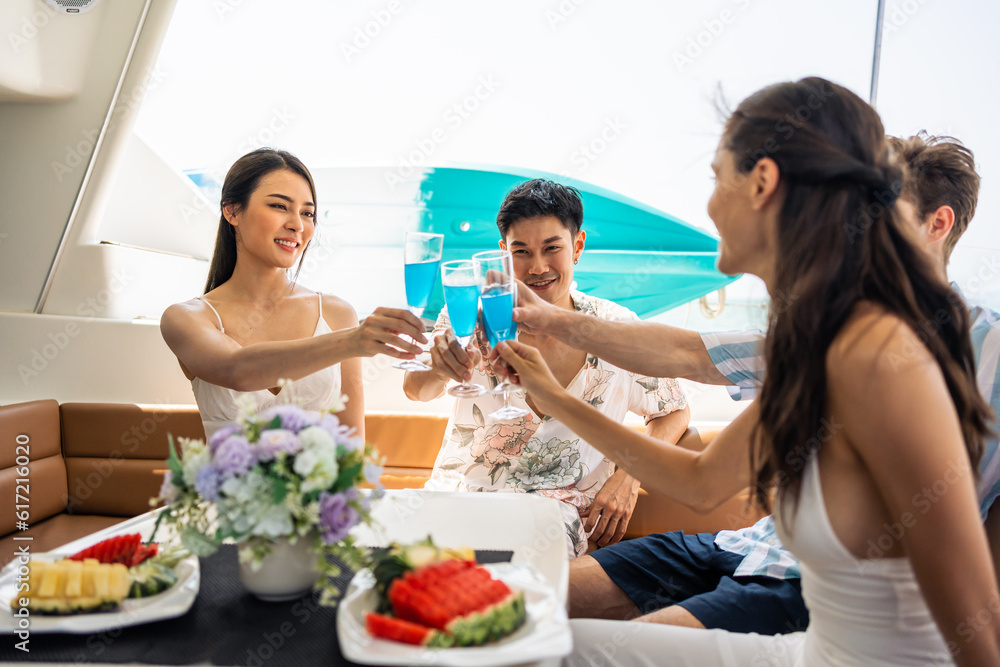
870,338
540,223
255,325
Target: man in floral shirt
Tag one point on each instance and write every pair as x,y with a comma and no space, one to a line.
539,223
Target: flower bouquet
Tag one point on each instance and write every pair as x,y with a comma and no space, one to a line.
283,475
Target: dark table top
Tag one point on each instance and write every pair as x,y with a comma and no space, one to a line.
227,625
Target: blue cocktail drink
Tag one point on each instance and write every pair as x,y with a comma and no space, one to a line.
420,278
421,259
461,295
463,308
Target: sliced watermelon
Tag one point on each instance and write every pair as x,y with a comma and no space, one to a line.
398,630
125,549
459,598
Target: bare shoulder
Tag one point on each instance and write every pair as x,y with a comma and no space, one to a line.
338,313
190,313
874,345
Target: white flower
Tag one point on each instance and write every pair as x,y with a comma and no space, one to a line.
317,462
317,438
196,456
275,521
323,474
305,462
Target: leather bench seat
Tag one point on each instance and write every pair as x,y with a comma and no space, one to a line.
95,464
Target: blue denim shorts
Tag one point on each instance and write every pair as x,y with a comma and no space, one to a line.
664,569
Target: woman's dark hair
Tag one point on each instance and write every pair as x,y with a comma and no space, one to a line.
840,240
241,180
541,197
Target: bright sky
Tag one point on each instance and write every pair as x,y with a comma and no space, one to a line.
536,83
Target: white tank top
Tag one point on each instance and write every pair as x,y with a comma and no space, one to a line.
218,405
861,612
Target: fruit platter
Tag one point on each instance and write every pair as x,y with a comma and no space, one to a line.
119,581
421,604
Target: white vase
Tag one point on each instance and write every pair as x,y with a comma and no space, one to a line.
286,573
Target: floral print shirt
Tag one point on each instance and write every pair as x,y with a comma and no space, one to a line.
541,455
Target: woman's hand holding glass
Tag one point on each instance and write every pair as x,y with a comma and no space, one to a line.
524,365
389,331
498,293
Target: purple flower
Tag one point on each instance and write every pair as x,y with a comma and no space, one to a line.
234,456
220,436
167,490
336,517
208,483
354,496
373,473
331,424
276,440
347,445
293,418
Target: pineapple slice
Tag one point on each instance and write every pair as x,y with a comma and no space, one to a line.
70,587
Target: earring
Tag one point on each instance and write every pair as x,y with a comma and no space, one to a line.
576,261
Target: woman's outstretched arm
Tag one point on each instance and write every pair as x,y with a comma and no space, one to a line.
701,480
205,352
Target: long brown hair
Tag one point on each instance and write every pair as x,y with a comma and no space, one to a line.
241,181
840,240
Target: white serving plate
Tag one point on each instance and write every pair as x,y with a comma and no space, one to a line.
173,602
545,633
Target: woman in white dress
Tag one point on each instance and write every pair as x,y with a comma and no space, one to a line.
255,325
869,404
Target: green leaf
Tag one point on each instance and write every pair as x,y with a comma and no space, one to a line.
273,424
495,471
196,543
477,414
346,477
649,384
174,462
279,490
465,435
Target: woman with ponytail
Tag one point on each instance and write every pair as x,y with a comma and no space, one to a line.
255,325
869,400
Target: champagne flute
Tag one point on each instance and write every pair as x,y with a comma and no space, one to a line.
498,292
461,294
422,256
